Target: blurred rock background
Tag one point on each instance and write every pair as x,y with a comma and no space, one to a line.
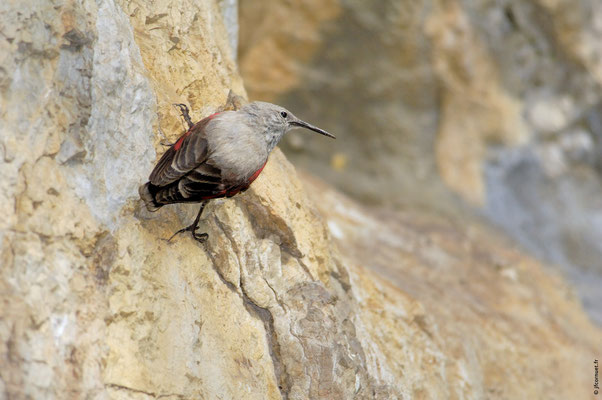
488,107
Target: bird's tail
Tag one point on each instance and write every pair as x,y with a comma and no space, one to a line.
148,198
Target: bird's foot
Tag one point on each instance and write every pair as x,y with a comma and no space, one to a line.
166,143
185,114
199,237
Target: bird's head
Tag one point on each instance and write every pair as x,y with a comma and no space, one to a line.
274,121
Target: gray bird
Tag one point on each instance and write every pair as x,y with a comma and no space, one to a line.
219,156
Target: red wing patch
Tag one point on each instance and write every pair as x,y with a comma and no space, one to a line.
178,144
256,173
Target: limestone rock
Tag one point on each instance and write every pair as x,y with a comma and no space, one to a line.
299,293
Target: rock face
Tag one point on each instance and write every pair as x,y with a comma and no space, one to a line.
286,300
498,101
451,311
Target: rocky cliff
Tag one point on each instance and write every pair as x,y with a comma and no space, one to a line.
495,102
299,293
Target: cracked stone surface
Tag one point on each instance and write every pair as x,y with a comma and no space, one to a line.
299,292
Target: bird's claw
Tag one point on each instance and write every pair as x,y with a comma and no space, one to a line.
192,228
178,232
185,114
199,237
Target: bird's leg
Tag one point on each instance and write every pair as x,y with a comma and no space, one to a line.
199,237
185,114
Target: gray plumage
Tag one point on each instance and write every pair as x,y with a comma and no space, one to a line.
220,155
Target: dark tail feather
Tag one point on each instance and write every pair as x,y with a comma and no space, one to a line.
148,198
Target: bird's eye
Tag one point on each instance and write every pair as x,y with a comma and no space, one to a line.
284,114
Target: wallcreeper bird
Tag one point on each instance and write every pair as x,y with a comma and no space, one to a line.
219,156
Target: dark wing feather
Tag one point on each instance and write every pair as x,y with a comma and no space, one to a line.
188,153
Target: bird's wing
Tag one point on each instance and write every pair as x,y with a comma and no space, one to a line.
189,153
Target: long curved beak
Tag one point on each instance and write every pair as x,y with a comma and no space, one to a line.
304,124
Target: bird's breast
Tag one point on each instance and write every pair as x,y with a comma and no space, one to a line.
235,148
